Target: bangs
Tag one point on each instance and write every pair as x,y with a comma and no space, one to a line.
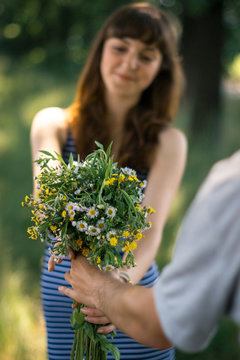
136,23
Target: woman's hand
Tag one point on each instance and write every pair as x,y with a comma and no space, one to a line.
52,260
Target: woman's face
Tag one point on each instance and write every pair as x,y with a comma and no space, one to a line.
128,66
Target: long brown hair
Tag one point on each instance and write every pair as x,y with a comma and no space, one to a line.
158,103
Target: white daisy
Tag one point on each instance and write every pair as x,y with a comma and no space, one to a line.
92,212
108,268
82,225
111,211
69,206
111,234
93,230
101,225
100,243
128,171
74,223
71,213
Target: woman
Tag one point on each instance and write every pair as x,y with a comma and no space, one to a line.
128,93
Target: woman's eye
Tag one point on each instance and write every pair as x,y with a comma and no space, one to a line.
119,48
146,58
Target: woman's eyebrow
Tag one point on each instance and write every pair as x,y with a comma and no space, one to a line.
152,48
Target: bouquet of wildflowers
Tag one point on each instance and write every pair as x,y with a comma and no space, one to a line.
93,207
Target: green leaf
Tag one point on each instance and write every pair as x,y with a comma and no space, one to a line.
77,319
43,227
48,154
60,159
89,330
105,344
108,151
71,159
99,145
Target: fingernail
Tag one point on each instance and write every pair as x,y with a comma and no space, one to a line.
60,288
100,331
84,311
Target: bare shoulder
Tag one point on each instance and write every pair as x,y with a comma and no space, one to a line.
173,142
50,121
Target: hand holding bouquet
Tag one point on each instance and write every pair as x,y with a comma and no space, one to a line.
93,207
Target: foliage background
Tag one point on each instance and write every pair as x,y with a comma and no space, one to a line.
43,46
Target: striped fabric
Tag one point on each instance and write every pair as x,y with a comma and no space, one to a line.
58,308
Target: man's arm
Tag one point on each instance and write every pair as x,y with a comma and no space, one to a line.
130,308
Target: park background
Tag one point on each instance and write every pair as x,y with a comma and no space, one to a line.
43,47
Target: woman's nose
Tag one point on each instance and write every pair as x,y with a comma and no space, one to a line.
132,61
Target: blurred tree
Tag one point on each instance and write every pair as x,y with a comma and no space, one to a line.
51,29
208,45
202,42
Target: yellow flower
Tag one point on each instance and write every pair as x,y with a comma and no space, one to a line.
64,213
133,245
151,210
98,260
53,228
23,203
126,247
138,207
26,198
64,198
110,181
47,191
126,234
121,178
41,206
85,251
113,241
129,247
79,242
138,236
72,218
38,194
29,230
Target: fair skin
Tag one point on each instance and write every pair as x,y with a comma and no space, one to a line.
128,67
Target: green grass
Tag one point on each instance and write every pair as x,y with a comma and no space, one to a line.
25,90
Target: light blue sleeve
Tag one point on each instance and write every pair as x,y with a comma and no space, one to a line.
202,282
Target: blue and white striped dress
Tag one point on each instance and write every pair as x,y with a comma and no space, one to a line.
58,308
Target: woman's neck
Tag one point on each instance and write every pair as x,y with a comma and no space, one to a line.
117,109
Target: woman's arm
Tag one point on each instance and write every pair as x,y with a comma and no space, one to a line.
48,132
164,178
